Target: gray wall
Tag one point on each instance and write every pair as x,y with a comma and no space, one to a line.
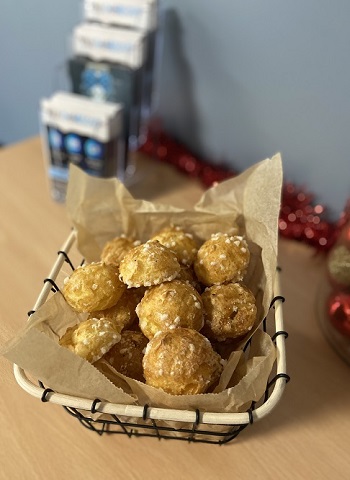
240,80
33,47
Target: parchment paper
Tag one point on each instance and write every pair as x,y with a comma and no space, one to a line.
100,209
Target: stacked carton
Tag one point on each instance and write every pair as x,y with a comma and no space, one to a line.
111,70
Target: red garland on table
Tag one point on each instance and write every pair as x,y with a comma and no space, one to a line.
300,219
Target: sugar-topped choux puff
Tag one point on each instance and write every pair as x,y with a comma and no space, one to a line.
181,362
93,287
168,306
126,356
148,264
222,258
229,311
114,250
180,242
123,313
187,275
91,339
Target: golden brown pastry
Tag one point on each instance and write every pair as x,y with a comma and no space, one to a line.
187,275
92,287
229,311
180,242
222,258
114,250
170,305
123,313
126,356
148,264
181,362
91,339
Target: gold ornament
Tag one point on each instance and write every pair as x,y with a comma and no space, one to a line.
339,265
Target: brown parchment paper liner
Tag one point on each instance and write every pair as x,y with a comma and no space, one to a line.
37,351
101,209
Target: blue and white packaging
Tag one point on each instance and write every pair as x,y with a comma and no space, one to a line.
104,81
108,63
136,14
78,130
104,43
142,15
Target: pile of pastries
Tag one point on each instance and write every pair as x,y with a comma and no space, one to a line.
163,312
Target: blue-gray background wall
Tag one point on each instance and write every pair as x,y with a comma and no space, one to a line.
239,80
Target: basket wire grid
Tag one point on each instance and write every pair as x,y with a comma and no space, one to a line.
163,423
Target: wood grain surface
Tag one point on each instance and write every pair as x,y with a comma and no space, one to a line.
305,437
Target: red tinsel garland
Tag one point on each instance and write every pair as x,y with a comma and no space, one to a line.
300,218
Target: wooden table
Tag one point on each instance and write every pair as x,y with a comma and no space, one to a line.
305,437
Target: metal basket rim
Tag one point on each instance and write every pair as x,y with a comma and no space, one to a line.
156,413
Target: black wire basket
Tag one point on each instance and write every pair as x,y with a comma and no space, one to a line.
164,423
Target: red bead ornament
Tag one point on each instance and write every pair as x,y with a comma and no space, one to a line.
300,219
339,312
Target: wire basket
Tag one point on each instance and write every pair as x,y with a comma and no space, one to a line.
163,423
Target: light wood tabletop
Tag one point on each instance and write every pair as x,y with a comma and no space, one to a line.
305,437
